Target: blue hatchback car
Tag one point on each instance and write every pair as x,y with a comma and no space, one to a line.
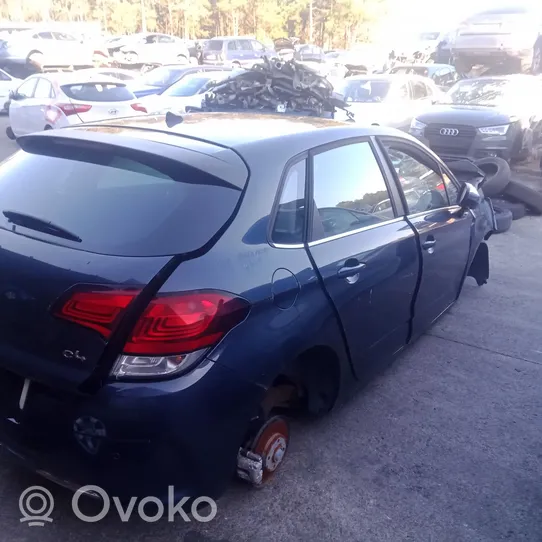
169,296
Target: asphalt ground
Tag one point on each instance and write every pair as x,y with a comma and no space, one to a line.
445,445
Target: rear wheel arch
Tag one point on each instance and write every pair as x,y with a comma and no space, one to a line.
310,383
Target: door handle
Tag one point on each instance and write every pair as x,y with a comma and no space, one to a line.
430,243
349,270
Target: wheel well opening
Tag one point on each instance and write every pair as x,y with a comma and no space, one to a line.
307,386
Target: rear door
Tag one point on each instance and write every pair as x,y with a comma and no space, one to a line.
19,117
101,219
368,261
43,97
444,230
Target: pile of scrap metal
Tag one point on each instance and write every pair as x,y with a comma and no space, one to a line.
278,86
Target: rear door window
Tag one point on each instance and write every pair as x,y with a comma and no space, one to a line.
115,204
289,225
98,92
44,89
26,90
419,90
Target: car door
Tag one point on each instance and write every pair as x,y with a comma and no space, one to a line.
398,105
53,54
444,229
6,84
247,53
71,52
18,109
167,48
258,49
368,262
422,96
39,103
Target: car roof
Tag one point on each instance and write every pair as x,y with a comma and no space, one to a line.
248,133
75,78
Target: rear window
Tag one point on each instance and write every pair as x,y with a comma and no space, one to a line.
214,45
118,206
98,92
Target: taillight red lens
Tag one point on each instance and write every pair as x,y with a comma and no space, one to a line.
183,323
74,109
100,311
139,107
170,325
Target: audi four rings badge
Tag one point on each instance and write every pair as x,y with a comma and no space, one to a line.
449,131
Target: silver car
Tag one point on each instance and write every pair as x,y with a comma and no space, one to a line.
512,35
150,48
39,49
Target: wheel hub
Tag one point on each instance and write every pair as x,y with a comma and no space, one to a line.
258,462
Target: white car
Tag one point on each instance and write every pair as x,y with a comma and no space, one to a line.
55,100
7,84
387,100
45,48
189,91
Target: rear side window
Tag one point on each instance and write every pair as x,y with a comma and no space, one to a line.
98,92
289,223
117,206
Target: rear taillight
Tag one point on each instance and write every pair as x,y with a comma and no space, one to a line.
172,333
182,323
139,107
74,109
100,311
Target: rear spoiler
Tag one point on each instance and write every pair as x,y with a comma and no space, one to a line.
216,165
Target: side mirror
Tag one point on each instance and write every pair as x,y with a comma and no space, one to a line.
14,95
469,197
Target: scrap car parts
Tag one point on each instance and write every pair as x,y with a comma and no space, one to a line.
274,85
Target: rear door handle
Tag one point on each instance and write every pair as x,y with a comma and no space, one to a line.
349,270
430,243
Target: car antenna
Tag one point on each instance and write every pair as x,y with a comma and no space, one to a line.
172,119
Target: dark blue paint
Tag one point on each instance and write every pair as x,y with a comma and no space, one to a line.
186,431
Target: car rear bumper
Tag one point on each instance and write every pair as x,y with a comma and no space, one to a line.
472,144
134,439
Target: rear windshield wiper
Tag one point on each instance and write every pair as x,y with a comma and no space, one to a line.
38,224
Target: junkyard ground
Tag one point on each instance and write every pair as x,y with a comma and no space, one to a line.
446,445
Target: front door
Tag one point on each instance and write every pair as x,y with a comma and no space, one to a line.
366,255
444,229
